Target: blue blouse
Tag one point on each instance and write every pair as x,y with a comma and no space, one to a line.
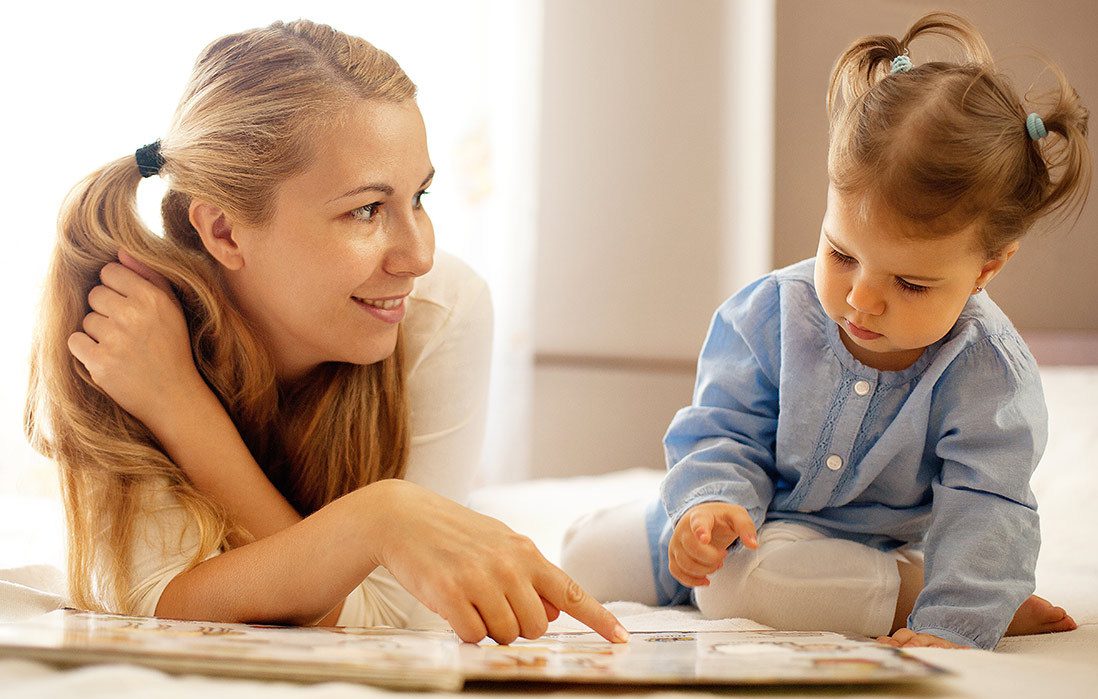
788,424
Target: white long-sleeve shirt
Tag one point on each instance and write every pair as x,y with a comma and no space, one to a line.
447,344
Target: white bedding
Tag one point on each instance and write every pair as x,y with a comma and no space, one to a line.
1057,665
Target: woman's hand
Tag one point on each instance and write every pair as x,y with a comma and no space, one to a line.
475,572
906,638
135,343
701,539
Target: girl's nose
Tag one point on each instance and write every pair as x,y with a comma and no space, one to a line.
865,298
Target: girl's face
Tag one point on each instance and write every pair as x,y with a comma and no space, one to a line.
328,278
892,293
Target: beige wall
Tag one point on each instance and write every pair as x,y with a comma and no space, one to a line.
1051,284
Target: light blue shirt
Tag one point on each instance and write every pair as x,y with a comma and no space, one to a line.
788,424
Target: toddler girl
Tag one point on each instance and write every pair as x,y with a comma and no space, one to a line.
872,404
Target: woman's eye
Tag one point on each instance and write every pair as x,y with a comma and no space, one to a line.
841,258
365,213
911,288
417,202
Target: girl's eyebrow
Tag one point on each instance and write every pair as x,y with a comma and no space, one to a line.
906,277
385,189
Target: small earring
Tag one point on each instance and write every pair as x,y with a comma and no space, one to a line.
978,289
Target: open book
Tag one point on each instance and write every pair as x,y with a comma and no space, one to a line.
434,660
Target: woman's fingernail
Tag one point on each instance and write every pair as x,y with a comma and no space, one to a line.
620,634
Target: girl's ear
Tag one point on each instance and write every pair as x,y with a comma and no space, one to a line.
993,266
216,230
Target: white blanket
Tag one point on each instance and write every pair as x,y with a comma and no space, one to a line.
1055,665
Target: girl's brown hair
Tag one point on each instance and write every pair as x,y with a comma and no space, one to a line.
247,122
945,144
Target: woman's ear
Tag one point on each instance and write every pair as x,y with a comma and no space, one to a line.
216,230
995,265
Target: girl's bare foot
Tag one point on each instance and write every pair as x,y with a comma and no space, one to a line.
1038,615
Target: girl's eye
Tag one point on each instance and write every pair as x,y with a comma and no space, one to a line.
911,288
841,258
417,202
365,213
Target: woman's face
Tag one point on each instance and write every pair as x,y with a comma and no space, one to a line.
328,278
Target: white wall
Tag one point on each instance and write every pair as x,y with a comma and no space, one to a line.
652,211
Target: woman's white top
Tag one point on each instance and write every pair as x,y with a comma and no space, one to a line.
447,341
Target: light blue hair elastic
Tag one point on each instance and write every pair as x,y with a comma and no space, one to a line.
1035,126
901,64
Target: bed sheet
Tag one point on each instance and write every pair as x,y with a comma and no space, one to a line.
1062,665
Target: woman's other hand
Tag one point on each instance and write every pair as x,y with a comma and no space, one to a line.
475,572
135,343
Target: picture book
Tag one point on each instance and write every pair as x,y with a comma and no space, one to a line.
406,659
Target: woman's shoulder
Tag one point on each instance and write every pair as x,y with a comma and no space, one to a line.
450,297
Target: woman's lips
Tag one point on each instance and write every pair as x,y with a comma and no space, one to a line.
861,333
386,315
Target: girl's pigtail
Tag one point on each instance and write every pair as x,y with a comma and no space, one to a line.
1066,158
860,67
869,60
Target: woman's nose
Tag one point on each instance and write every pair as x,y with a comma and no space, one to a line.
412,250
865,298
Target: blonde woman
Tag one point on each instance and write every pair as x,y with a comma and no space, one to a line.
268,414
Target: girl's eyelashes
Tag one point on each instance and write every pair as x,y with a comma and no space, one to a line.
841,258
901,283
907,286
417,200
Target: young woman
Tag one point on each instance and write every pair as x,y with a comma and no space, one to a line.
267,414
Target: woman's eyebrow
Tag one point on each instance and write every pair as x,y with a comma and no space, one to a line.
379,187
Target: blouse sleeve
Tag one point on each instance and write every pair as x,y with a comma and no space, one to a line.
165,542
990,423
721,447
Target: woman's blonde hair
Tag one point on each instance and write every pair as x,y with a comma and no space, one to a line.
248,120
946,144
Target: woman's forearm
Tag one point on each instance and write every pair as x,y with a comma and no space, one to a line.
299,575
203,441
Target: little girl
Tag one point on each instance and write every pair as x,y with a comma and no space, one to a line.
871,404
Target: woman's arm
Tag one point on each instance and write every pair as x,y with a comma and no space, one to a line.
203,441
299,575
472,570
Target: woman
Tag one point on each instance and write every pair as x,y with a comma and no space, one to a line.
251,414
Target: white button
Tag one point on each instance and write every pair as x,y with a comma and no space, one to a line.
862,388
834,462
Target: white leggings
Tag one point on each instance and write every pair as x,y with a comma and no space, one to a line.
797,580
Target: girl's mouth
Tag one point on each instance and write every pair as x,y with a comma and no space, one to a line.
860,333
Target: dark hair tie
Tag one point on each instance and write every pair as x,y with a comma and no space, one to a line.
149,160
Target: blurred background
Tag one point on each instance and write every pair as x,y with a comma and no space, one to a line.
614,168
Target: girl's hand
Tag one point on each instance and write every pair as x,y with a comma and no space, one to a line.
475,572
135,343
702,537
906,638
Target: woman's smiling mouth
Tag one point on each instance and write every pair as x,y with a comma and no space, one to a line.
390,310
